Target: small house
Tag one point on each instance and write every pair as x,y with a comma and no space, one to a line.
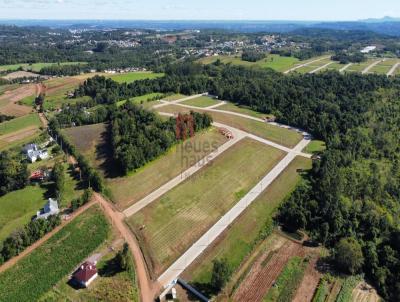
33,156
85,274
29,148
50,208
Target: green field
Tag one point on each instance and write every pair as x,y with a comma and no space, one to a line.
130,189
36,67
31,120
242,109
174,221
174,97
202,101
288,281
384,67
18,207
285,137
315,146
239,240
275,62
38,272
146,101
359,67
130,77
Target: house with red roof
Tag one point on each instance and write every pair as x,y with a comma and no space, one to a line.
85,274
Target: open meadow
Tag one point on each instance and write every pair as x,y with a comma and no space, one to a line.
283,136
35,274
169,225
201,101
242,110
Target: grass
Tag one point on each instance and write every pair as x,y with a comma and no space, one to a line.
239,240
174,221
288,281
322,291
285,137
202,101
359,67
146,101
36,67
174,97
315,146
275,62
19,124
130,77
130,189
346,291
242,109
39,271
18,207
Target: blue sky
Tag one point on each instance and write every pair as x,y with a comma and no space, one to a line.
199,10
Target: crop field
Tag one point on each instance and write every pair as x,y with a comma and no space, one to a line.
242,109
129,189
240,239
36,67
35,274
288,281
271,266
283,136
275,62
19,124
202,101
174,221
130,77
12,95
18,207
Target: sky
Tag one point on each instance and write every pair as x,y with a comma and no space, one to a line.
328,10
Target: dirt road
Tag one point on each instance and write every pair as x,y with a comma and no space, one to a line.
148,289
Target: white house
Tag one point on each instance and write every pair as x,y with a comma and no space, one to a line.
33,156
29,148
50,208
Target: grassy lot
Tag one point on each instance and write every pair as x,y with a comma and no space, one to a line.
174,221
384,67
275,62
242,109
311,67
359,67
36,67
239,240
276,134
18,207
202,101
130,77
19,124
146,101
288,281
315,146
174,97
37,273
130,189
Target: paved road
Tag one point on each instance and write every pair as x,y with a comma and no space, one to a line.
393,69
321,67
238,135
305,64
216,105
173,272
366,70
345,67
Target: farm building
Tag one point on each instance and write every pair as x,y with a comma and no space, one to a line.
39,175
50,208
85,274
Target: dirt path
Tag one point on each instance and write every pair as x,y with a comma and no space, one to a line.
43,119
148,289
308,285
38,243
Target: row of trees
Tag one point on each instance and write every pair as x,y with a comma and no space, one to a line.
139,136
345,58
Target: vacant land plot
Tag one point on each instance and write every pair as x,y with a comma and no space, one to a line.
314,65
37,273
243,110
275,62
384,66
315,146
174,97
146,101
202,101
359,67
174,221
18,207
36,67
239,240
20,74
10,98
130,77
285,137
129,189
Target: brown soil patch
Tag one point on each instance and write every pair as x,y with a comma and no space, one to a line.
365,293
15,110
309,284
8,100
265,271
19,135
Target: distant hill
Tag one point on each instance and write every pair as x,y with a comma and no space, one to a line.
381,20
